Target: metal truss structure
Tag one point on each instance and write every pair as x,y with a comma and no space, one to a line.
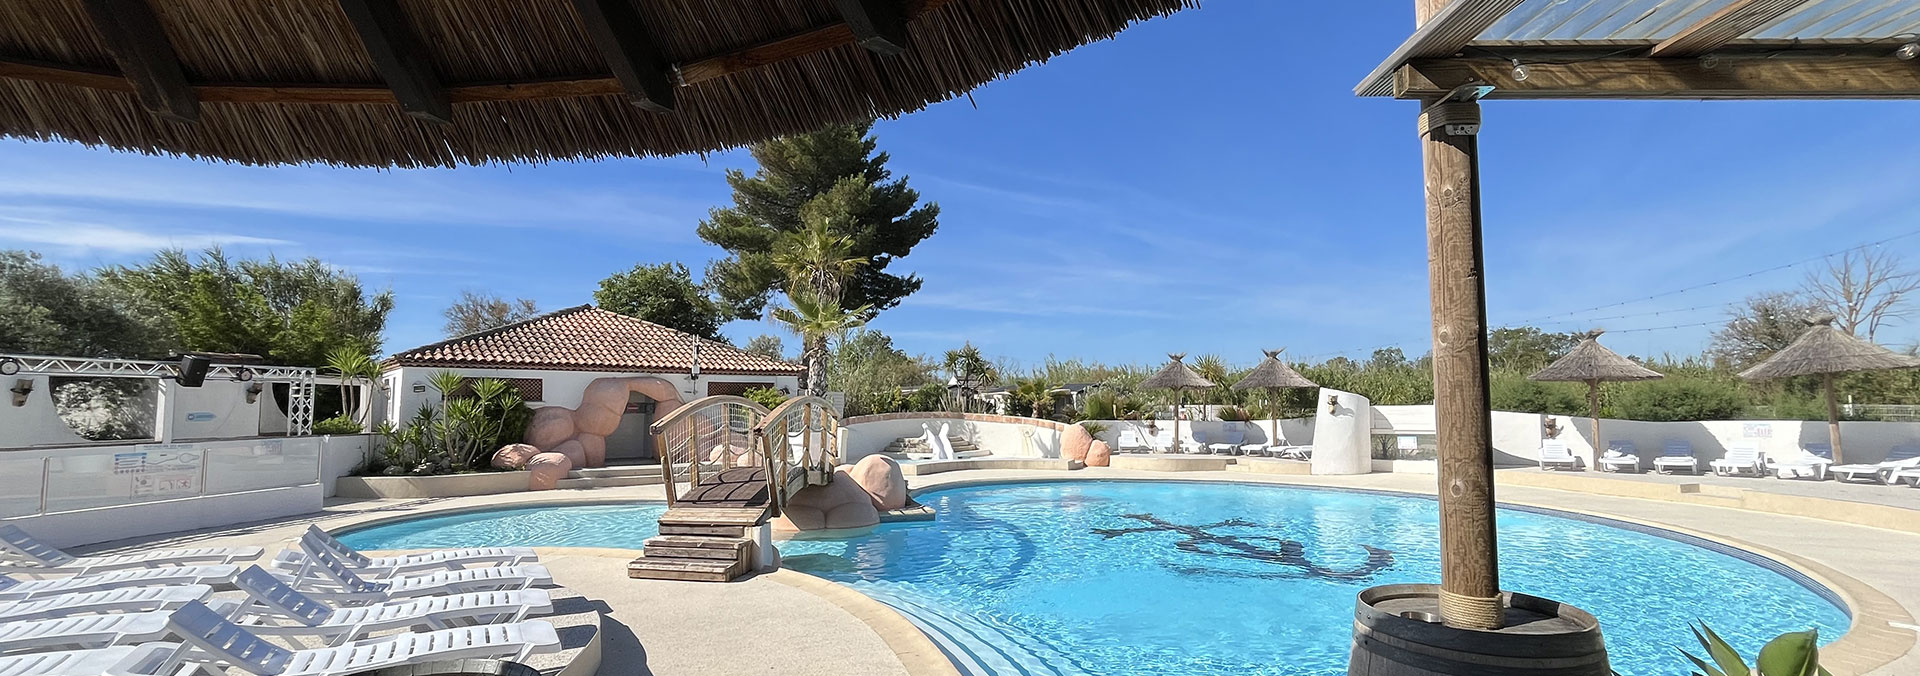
299,380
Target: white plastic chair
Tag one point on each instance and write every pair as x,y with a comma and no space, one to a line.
1130,438
1742,458
171,576
35,556
1621,456
403,564
1809,462
1899,458
141,660
226,643
1554,454
129,600
1676,454
327,578
271,603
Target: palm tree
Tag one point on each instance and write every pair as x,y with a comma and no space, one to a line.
817,262
1038,394
353,366
816,320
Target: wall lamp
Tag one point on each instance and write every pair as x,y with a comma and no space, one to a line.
244,375
253,392
1551,427
1907,52
21,388
419,387
1333,403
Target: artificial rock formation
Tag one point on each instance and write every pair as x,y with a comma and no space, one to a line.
546,470
882,480
514,456
575,453
550,426
581,433
842,503
1074,443
1099,454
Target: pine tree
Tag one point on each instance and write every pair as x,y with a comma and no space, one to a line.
834,175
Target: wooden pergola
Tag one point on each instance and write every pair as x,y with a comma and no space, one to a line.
1466,51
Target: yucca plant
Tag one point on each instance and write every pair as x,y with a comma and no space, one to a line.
1791,654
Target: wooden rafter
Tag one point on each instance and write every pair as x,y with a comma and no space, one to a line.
1733,77
878,25
1443,35
399,58
1724,26
139,45
622,38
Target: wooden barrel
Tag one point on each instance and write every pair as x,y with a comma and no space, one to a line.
457,668
1397,632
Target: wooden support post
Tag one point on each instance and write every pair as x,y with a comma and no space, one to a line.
1593,408
666,467
399,58
1469,555
617,31
132,33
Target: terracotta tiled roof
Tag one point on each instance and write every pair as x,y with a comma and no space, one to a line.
587,338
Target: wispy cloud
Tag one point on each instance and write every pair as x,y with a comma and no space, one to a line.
84,238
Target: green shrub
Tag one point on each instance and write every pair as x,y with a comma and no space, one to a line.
1676,399
930,397
340,424
1234,414
765,396
1511,391
1094,428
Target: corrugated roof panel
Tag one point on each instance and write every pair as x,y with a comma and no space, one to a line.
1845,19
1613,21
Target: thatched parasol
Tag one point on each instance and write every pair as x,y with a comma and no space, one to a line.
1271,376
1177,377
1824,351
1592,363
410,83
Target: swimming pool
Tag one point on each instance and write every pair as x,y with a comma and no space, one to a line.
1089,577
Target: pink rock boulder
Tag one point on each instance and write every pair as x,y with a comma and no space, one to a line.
880,477
594,448
514,456
1074,443
839,504
547,470
550,426
1099,454
575,453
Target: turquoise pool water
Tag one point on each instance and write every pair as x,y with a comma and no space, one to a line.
1200,578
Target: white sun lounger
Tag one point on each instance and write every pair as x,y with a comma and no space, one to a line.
402,564
1621,456
141,660
19,590
129,600
328,579
1229,441
84,631
1810,462
1677,454
1554,454
213,639
1743,457
22,552
272,604
1901,457
1906,476
1132,440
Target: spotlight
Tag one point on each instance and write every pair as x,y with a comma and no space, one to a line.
243,375
1520,72
1907,52
9,366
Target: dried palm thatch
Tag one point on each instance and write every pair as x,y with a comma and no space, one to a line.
292,81
1177,377
1592,363
1273,375
1824,351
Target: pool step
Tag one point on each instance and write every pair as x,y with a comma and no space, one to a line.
696,547
911,448
700,544
702,529
688,570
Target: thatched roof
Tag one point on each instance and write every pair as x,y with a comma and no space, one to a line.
296,81
1592,362
1272,374
1825,349
1176,376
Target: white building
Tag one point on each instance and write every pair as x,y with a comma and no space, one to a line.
551,359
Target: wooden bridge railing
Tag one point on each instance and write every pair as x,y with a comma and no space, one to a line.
803,433
706,435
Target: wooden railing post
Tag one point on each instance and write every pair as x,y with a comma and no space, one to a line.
693,446
666,466
806,443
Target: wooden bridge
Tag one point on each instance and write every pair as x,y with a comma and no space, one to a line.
740,463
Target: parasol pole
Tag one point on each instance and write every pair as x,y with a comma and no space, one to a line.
1593,408
1179,402
1833,417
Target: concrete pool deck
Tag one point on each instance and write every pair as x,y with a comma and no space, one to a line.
675,628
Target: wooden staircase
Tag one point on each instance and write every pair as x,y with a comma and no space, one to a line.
912,448
700,544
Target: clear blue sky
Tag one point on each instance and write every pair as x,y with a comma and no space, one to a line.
1204,183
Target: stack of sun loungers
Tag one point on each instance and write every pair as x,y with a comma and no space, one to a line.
174,612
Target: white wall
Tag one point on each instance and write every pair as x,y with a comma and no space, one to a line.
341,455
1343,433
1295,431
561,388
1003,439
217,409
37,423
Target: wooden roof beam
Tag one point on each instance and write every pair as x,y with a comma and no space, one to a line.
1732,77
133,35
1443,35
616,29
1736,19
400,59
878,25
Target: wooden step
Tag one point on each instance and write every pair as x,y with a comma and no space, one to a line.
696,547
714,516
702,530
691,570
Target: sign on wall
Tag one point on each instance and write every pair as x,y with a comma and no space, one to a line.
161,470
1757,430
